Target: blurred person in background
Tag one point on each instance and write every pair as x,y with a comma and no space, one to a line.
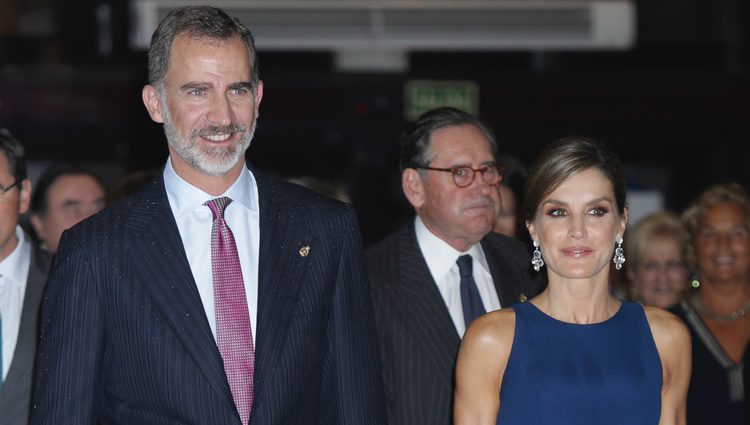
655,249
718,314
23,274
506,222
510,189
64,195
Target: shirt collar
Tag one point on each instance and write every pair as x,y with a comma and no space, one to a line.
439,255
15,266
185,198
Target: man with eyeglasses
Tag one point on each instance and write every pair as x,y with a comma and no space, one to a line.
23,274
431,278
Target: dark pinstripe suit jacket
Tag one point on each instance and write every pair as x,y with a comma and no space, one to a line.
15,394
125,338
417,338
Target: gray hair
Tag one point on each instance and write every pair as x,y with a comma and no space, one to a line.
415,141
200,22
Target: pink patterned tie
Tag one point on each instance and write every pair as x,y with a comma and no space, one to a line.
233,330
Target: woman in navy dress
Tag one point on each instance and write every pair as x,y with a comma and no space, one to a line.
574,354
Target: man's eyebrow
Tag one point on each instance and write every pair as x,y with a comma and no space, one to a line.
194,85
241,85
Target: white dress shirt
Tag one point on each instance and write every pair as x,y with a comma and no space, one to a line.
14,270
194,221
441,260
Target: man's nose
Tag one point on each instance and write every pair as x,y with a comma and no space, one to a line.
220,112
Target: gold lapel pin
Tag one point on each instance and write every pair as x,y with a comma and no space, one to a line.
304,251
522,298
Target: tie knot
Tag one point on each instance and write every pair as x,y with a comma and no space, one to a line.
464,266
218,205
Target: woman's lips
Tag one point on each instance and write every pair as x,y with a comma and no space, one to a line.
576,251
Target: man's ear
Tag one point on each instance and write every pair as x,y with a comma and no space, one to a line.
25,196
152,101
258,98
413,187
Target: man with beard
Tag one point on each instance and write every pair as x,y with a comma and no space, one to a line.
215,295
431,278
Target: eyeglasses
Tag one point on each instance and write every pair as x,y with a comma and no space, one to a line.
4,190
463,176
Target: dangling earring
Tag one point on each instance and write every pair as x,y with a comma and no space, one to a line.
619,256
536,257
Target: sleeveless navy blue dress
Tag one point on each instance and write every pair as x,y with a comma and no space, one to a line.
563,373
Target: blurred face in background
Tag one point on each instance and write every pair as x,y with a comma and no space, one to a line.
506,222
660,278
70,199
722,245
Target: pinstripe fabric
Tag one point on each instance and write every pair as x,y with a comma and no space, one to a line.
15,394
418,341
125,338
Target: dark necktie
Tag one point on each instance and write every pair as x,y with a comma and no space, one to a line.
233,332
471,302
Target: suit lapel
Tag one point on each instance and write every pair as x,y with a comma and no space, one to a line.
160,265
419,301
283,232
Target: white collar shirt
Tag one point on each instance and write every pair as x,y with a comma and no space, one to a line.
194,222
14,271
441,261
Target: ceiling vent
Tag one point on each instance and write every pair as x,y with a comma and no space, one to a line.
384,28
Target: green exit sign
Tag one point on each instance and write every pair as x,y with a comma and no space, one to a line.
422,95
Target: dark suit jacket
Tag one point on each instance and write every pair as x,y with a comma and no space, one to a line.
125,337
15,394
418,341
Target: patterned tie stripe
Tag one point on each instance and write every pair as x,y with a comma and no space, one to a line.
233,332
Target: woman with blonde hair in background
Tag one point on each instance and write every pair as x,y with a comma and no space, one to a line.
718,314
655,249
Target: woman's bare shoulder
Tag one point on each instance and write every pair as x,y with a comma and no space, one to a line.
667,328
493,329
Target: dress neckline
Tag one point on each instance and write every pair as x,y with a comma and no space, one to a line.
611,319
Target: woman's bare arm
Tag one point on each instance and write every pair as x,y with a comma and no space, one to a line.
673,343
479,370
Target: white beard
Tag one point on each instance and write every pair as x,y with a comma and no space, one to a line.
215,161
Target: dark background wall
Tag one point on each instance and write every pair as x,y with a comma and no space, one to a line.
676,107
